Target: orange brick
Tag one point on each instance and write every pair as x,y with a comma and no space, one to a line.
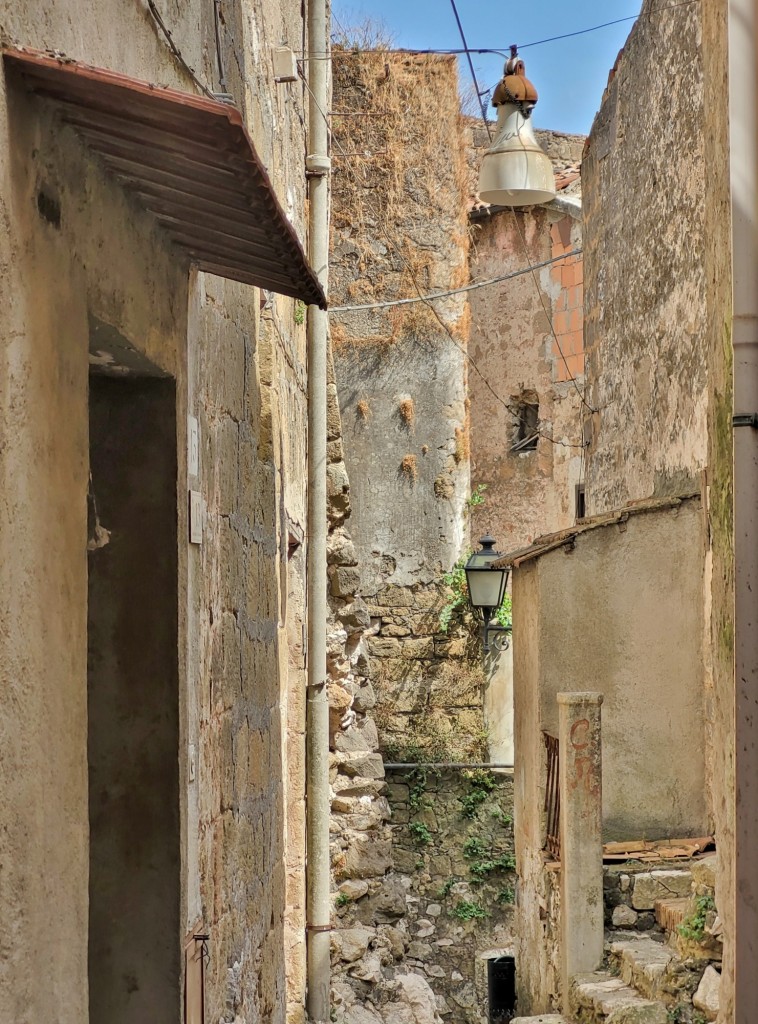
561,323
575,320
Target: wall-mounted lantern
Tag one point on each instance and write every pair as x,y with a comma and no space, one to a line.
486,591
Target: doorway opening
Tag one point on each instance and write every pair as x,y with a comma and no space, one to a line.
133,701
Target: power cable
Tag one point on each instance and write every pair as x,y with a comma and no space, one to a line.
471,69
158,19
457,291
357,52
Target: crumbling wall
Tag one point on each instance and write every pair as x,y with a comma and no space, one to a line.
530,490
399,227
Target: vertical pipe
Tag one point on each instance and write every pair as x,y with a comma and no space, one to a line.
317,725
743,128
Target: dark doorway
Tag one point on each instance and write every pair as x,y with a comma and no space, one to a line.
134,926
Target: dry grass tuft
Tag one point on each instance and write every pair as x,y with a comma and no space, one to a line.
407,411
363,410
409,468
462,445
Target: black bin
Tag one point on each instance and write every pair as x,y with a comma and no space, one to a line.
501,988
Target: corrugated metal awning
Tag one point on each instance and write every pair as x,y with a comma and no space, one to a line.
190,162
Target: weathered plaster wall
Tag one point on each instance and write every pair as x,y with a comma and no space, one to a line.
645,298
658,329
529,493
516,354
635,636
647,661
239,657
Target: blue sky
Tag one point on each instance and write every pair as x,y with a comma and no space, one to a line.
569,75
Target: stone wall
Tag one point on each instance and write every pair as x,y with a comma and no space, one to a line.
645,298
237,607
400,225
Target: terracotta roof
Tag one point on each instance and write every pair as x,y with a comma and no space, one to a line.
189,161
565,538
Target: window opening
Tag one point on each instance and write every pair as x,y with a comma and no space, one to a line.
527,436
580,505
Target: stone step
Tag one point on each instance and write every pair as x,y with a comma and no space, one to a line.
660,884
670,913
602,998
543,1018
642,963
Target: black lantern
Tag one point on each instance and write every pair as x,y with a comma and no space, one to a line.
486,590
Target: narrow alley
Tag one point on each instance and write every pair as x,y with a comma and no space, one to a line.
378,511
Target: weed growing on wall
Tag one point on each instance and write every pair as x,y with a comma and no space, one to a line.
693,927
468,910
420,832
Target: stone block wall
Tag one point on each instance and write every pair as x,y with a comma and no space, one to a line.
453,854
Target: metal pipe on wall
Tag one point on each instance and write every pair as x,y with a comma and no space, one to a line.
743,128
317,722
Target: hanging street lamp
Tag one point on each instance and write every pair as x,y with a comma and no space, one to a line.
486,590
515,170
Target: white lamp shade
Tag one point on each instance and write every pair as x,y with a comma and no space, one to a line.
515,169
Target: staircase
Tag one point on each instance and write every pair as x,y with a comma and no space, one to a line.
651,976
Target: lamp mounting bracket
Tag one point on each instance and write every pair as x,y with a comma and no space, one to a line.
749,419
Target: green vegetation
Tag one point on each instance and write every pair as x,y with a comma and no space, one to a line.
417,783
693,927
506,896
476,850
684,1014
480,869
476,497
342,899
506,820
474,847
468,910
299,311
421,834
445,890
481,783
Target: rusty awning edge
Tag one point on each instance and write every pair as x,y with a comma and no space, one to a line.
563,538
190,162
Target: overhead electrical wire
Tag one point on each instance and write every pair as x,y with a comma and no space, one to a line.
392,243
452,51
433,296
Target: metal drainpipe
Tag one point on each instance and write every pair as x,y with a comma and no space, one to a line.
317,722
743,127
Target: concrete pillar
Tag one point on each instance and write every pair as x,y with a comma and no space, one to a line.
581,834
